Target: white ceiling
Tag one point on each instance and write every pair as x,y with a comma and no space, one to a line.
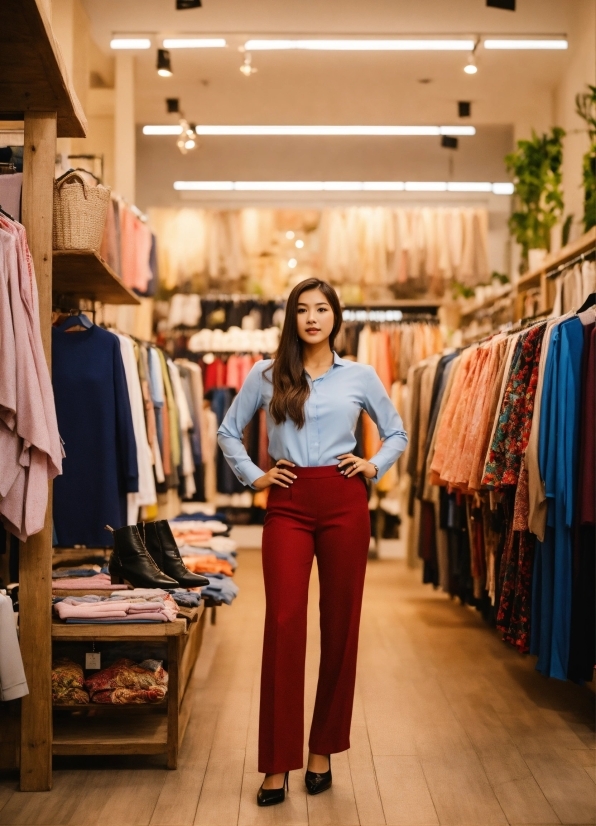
323,87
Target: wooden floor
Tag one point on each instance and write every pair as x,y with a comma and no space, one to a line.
450,727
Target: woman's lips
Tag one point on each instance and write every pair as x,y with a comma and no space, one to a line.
313,331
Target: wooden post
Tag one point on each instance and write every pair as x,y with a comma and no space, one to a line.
35,562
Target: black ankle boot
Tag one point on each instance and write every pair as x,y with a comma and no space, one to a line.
159,541
130,561
318,782
269,797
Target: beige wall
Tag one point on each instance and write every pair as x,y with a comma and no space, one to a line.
581,70
89,67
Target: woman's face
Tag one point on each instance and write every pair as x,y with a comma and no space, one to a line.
315,317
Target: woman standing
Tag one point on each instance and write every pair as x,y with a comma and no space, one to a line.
317,507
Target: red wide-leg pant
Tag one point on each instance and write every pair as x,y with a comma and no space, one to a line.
326,515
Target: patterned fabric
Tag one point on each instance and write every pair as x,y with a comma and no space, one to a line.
128,682
515,418
514,614
67,683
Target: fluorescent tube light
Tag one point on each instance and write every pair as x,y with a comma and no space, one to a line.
503,189
426,186
383,186
130,43
279,186
347,45
194,43
558,43
474,186
162,130
335,131
204,186
344,186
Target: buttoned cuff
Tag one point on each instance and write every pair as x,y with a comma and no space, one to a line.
248,473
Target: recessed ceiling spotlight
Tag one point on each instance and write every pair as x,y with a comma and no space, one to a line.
299,244
292,263
289,235
247,68
164,64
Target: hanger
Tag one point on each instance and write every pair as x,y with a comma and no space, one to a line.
75,319
7,214
589,302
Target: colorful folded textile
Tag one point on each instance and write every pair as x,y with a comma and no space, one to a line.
99,582
220,588
127,682
68,683
117,608
208,564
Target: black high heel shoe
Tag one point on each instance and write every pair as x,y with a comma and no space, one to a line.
159,541
317,782
270,797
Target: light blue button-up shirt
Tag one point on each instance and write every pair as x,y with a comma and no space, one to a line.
331,415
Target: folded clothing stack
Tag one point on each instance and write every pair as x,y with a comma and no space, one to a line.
187,552
118,608
68,683
191,536
221,588
79,571
96,582
192,525
204,562
126,682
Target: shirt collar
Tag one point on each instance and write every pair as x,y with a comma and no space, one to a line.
337,361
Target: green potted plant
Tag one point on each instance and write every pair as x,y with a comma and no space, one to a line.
536,167
585,106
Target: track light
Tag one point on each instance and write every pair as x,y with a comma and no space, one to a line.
247,68
164,64
470,68
188,137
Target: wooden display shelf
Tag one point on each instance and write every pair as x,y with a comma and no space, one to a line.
133,734
62,631
33,77
488,302
150,729
84,274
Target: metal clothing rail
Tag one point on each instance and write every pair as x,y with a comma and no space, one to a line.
566,265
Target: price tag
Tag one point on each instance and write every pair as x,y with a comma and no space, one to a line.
93,661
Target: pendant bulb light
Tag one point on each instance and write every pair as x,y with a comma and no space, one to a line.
164,63
470,68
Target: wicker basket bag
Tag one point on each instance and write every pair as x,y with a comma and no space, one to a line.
79,213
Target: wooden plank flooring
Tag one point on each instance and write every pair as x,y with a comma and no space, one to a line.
450,728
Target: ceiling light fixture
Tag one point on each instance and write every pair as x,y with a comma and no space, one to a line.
289,234
292,263
348,45
162,130
335,131
247,68
555,43
470,68
501,188
130,43
299,244
187,139
164,64
194,43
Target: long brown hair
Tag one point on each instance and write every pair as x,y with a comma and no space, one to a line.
290,387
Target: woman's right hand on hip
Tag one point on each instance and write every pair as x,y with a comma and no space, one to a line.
278,475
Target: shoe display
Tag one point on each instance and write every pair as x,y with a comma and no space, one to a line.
159,541
317,782
270,797
130,562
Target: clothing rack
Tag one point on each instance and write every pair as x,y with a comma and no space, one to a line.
584,256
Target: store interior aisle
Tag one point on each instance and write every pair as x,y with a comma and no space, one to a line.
450,727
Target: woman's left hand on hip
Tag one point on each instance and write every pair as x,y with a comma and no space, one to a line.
350,465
